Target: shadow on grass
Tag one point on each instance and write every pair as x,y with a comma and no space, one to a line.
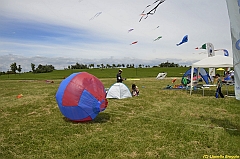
229,127
101,118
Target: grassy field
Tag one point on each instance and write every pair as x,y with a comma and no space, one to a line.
101,73
159,123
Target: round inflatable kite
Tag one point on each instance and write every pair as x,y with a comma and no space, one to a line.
81,97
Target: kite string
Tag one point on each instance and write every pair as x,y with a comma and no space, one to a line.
120,20
105,12
123,22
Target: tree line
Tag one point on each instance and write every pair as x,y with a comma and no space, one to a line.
40,69
49,68
84,66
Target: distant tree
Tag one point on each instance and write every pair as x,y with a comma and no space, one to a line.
167,64
123,65
44,69
113,65
130,66
119,65
77,65
91,65
33,67
19,69
98,66
40,67
13,67
108,66
81,66
102,66
2,73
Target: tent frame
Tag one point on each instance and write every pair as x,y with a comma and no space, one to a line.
213,62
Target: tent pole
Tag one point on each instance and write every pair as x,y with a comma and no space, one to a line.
192,69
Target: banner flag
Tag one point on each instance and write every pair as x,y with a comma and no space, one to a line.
210,50
234,16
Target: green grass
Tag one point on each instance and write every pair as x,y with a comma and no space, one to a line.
157,124
101,73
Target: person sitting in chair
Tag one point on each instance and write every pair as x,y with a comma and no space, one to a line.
135,90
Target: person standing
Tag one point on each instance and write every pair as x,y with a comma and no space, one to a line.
119,76
219,86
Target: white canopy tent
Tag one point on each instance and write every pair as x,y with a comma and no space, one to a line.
211,62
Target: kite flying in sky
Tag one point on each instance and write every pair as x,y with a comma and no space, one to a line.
130,30
156,27
224,51
157,38
96,15
185,39
204,46
152,11
134,42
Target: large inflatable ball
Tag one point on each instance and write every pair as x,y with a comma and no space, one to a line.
81,97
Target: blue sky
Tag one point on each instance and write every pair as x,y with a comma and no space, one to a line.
60,32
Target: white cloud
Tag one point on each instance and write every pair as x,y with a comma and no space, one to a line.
60,28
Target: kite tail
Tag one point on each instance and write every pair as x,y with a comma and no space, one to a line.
179,43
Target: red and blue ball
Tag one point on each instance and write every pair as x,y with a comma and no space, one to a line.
81,97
